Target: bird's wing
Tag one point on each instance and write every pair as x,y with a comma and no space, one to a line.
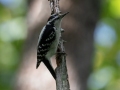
44,43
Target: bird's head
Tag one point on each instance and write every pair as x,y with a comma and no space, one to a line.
56,18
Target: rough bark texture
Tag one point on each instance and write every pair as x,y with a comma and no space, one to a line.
62,82
79,28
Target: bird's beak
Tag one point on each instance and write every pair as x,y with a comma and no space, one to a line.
62,15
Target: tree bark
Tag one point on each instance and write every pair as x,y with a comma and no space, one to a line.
79,28
62,82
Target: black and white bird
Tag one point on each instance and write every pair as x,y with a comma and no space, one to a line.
48,41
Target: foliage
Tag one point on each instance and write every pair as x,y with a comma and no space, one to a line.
106,68
12,35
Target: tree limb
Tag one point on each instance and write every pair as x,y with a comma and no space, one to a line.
62,82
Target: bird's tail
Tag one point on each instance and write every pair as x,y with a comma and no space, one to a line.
50,68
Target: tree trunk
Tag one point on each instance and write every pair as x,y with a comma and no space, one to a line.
79,27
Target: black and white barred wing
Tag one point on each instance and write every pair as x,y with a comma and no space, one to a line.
46,38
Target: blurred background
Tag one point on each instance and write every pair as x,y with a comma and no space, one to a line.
92,32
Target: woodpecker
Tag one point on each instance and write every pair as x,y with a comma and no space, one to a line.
48,41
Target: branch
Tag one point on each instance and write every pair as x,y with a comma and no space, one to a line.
54,5
57,8
62,82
